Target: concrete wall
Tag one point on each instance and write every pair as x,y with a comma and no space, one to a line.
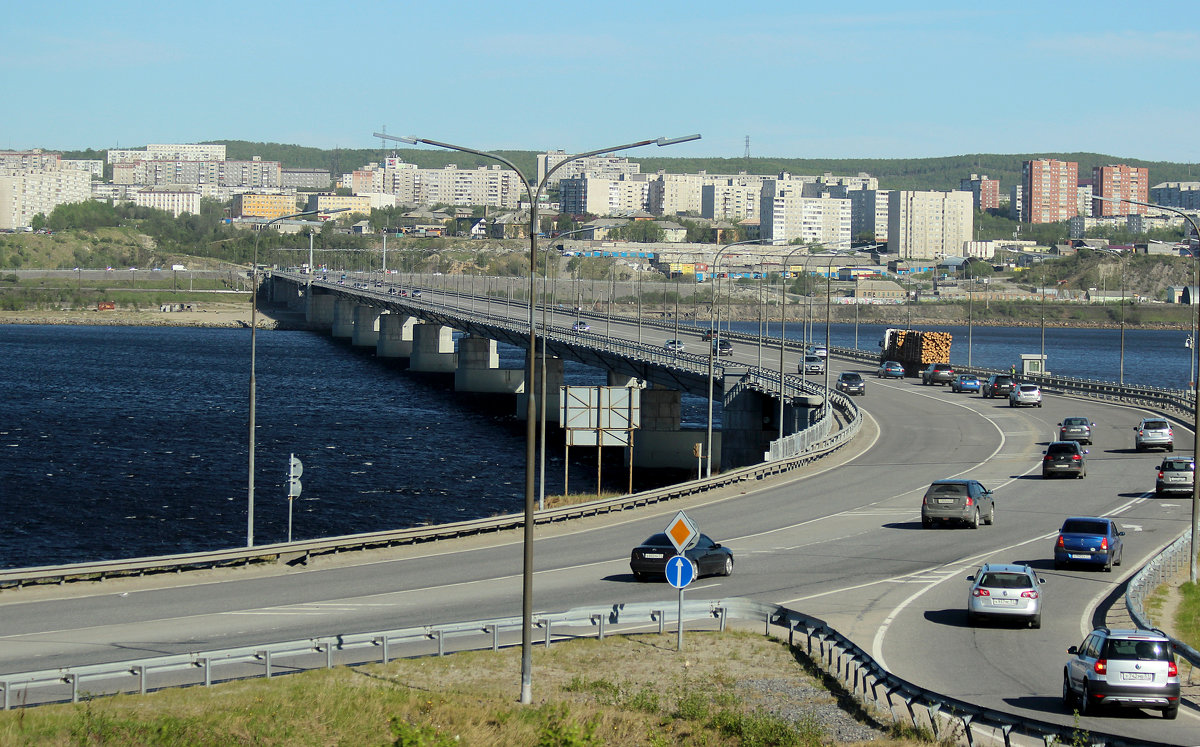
366,326
433,349
343,319
478,369
395,336
318,309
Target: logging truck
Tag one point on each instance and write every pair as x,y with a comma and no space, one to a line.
914,349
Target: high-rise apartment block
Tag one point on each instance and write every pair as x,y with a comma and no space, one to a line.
785,214
927,225
25,194
174,200
251,205
731,198
869,213
1184,195
1116,183
608,167
1050,191
600,196
172,152
985,192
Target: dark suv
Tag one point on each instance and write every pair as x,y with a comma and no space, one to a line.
849,382
1065,458
1128,668
937,373
997,385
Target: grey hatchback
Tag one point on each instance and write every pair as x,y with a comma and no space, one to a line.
958,501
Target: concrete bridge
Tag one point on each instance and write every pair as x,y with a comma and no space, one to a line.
421,329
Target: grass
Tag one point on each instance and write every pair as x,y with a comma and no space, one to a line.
628,690
1187,615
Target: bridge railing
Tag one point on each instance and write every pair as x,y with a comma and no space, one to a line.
1163,568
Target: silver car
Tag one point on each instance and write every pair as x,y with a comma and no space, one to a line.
1128,668
1005,592
957,501
1076,429
1175,475
1025,395
1153,433
812,364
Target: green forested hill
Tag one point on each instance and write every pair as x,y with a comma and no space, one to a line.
893,173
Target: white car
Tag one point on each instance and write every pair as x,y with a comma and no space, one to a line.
674,346
1025,395
581,326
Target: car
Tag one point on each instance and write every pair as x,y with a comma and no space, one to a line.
1128,668
1025,395
890,370
1175,474
820,350
674,346
1153,433
708,336
581,326
1065,458
937,373
722,347
1089,540
997,385
649,559
965,383
1005,592
851,383
957,501
812,364
416,294
1076,429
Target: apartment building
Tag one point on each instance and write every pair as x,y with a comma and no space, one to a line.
26,194
985,193
254,174
676,194
252,205
731,198
28,160
785,214
928,225
607,167
325,203
1050,191
169,152
1119,182
493,185
599,196
173,200
1184,195
869,213
305,179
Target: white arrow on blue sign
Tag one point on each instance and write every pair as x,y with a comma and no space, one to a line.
681,571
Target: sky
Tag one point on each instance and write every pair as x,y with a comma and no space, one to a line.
800,79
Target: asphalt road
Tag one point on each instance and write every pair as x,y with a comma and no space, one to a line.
842,543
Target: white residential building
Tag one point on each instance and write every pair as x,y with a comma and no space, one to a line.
28,160
676,194
786,215
24,195
928,225
171,152
173,200
869,213
609,167
732,198
600,197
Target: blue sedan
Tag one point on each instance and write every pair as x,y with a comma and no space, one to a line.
965,383
1089,540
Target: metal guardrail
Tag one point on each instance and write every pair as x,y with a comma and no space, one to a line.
856,671
1161,569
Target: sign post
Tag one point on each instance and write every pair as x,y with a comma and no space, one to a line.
681,570
295,470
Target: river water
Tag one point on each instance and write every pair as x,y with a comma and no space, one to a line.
131,441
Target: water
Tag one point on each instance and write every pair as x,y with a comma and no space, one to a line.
130,441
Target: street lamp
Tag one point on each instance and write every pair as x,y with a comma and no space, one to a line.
253,345
714,341
1195,352
531,407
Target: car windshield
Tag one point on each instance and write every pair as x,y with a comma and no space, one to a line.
1084,526
948,490
1029,388
1075,421
658,540
966,378
1006,581
1180,465
1063,448
851,377
1003,380
1137,650
1155,425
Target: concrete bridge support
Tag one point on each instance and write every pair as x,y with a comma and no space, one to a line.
318,309
660,443
554,384
343,319
748,424
433,349
366,326
395,336
478,369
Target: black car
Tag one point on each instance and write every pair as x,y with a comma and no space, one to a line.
722,347
1065,458
937,373
997,385
851,383
649,560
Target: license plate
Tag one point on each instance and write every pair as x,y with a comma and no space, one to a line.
1004,603
1139,676
945,500
1085,556
652,555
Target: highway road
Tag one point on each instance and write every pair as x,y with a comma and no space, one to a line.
841,542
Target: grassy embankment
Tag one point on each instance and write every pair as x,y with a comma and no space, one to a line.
722,690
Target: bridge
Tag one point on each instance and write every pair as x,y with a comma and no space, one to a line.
838,541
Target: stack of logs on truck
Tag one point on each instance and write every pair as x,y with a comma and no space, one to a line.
914,349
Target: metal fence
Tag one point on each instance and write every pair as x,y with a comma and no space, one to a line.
1162,569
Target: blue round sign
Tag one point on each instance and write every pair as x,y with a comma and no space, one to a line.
681,571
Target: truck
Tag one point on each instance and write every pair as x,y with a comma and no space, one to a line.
914,349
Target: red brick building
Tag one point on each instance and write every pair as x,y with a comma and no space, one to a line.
1119,181
985,192
1051,191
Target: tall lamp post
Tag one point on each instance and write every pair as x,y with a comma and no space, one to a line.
712,348
531,408
253,347
1194,353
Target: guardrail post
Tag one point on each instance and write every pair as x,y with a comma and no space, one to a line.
266,657
1006,730
4,689
441,642
932,709
548,624
966,720
662,620
139,671
73,680
381,641
207,664
328,649
599,620
495,636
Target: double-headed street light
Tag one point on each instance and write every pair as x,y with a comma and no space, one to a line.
1195,353
531,408
253,346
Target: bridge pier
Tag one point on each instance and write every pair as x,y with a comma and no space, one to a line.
343,318
366,326
395,336
318,309
478,369
749,423
433,349
660,443
554,385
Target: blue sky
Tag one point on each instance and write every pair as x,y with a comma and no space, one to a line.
803,80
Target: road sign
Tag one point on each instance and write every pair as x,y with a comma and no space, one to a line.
295,467
682,532
681,571
294,487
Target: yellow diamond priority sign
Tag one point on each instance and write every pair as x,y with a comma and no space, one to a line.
682,532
